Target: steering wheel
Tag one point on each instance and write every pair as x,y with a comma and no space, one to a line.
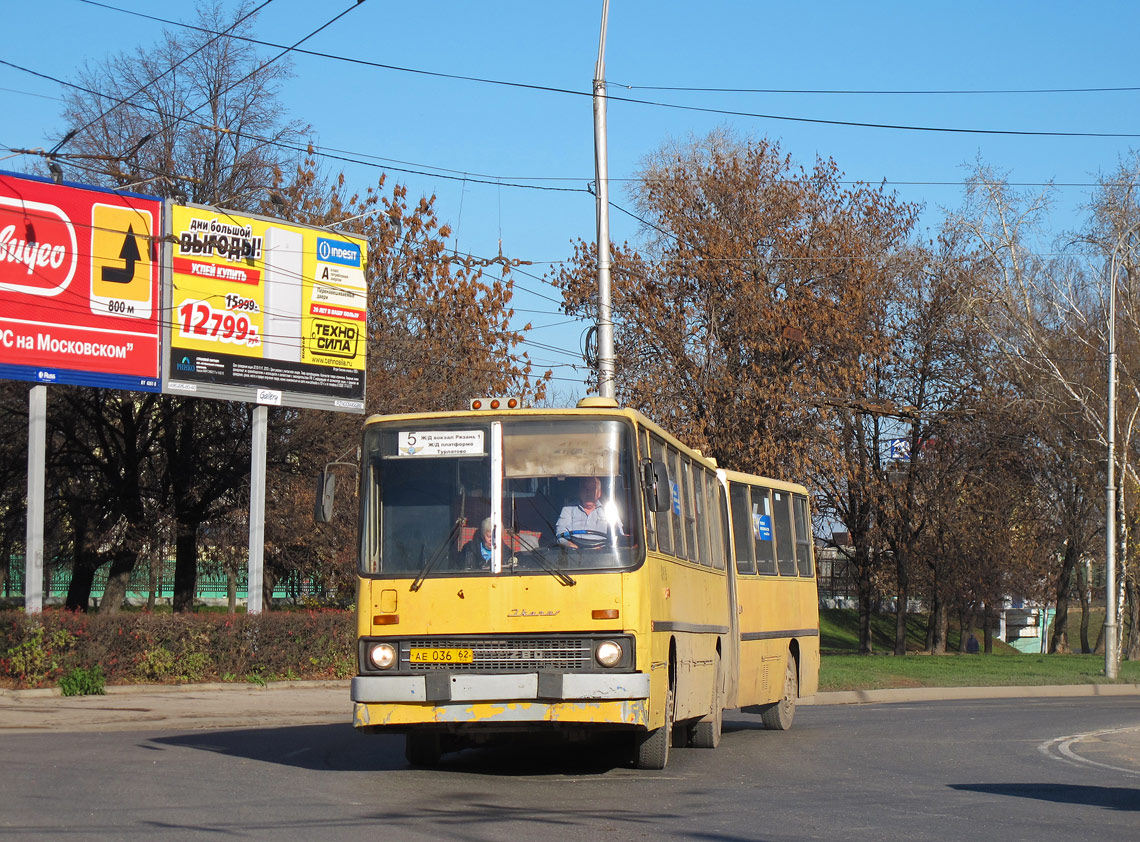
589,539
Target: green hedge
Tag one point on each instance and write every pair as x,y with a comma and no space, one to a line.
38,650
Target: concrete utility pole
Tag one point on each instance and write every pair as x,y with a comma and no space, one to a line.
602,183
1111,639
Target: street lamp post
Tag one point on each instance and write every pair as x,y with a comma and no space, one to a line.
1111,641
606,386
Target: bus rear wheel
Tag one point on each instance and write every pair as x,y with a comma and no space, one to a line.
423,748
779,716
653,748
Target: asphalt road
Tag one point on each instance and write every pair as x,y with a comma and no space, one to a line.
1041,769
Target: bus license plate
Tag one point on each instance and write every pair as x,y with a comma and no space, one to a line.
443,656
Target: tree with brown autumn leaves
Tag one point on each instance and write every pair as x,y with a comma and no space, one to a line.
752,322
788,324
747,310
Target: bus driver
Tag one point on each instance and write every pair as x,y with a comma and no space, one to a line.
589,523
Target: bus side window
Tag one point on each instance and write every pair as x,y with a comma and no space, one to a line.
741,513
689,509
650,517
703,515
678,515
764,531
785,548
803,536
715,520
664,520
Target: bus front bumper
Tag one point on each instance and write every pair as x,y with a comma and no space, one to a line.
619,699
464,687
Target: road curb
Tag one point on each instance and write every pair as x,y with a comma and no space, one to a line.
286,703
942,694
150,689
840,697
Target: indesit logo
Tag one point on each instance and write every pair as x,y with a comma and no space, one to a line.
37,247
338,251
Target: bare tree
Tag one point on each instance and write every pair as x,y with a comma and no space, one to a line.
1049,316
196,115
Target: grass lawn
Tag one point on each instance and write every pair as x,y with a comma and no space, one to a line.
840,670
874,672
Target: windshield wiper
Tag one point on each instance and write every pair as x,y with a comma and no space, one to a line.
430,563
544,564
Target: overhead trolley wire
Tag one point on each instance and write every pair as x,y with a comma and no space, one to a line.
285,50
298,278
170,69
317,150
450,174
127,100
590,93
874,92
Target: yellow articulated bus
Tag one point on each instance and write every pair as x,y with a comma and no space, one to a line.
572,571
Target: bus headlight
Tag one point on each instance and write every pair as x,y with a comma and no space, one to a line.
608,653
382,655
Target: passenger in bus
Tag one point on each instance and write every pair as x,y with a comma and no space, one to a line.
587,524
476,553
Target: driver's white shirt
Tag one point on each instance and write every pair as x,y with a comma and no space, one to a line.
576,519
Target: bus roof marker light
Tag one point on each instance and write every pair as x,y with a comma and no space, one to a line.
496,403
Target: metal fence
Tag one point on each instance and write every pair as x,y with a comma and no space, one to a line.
212,584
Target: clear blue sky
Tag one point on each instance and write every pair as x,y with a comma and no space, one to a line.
496,133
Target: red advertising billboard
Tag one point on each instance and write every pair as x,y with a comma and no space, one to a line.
79,285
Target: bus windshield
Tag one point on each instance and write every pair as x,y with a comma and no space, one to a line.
566,491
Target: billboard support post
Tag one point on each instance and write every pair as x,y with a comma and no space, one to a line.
257,510
34,540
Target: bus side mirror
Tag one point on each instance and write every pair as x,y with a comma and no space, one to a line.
326,490
658,497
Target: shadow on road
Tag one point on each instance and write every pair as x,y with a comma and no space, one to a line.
338,747
474,817
1110,797
335,746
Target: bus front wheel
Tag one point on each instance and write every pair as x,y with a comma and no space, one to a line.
653,748
706,732
779,716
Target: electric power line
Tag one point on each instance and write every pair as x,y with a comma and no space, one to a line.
703,109
516,182
170,69
872,92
